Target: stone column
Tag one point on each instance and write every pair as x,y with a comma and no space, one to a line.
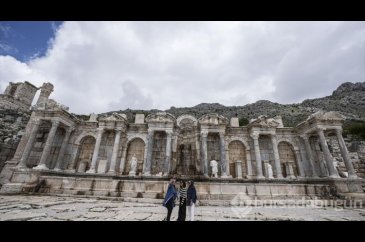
48,145
289,170
61,154
122,160
259,174
71,166
299,162
238,169
249,164
113,160
279,173
198,157
96,150
168,153
225,166
309,154
147,171
345,154
29,145
327,154
204,135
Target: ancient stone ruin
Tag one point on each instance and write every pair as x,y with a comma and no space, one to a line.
110,156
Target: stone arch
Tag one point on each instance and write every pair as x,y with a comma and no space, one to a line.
85,153
83,135
187,116
289,141
56,146
135,146
242,140
237,151
131,137
287,155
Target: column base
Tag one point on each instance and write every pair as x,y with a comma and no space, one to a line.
91,171
41,167
260,177
334,176
21,168
279,177
226,176
353,176
132,173
57,169
147,174
111,172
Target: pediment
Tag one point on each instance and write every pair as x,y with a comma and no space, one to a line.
213,119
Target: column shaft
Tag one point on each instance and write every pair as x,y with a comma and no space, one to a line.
61,154
259,173
48,145
225,166
345,154
309,154
279,173
29,145
96,151
148,166
327,154
204,153
113,160
168,153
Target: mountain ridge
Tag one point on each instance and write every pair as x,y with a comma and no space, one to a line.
348,99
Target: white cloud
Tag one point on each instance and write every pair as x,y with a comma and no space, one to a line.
105,66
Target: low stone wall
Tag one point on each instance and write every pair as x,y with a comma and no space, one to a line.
95,185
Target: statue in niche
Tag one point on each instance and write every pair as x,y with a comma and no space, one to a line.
214,165
269,171
133,162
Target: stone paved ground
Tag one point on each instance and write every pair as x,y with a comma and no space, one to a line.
52,208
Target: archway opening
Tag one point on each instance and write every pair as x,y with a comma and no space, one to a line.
136,147
237,152
288,160
85,153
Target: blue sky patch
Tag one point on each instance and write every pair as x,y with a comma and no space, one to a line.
25,40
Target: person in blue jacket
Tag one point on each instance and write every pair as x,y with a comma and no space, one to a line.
169,201
191,200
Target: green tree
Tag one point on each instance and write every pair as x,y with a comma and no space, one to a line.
243,121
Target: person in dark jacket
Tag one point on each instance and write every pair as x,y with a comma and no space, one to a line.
182,204
191,200
169,201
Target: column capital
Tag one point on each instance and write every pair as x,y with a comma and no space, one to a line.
338,130
55,122
304,136
118,129
150,132
320,129
169,132
69,129
255,135
204,133
37,121
100,129
273,137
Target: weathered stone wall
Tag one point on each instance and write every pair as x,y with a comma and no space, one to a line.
12,127
356,152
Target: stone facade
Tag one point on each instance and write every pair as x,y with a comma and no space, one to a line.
167,146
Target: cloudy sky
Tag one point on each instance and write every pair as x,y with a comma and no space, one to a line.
105,66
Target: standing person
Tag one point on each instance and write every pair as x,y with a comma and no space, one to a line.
191,200
169,201
182,204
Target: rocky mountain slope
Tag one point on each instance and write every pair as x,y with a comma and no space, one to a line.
348,99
